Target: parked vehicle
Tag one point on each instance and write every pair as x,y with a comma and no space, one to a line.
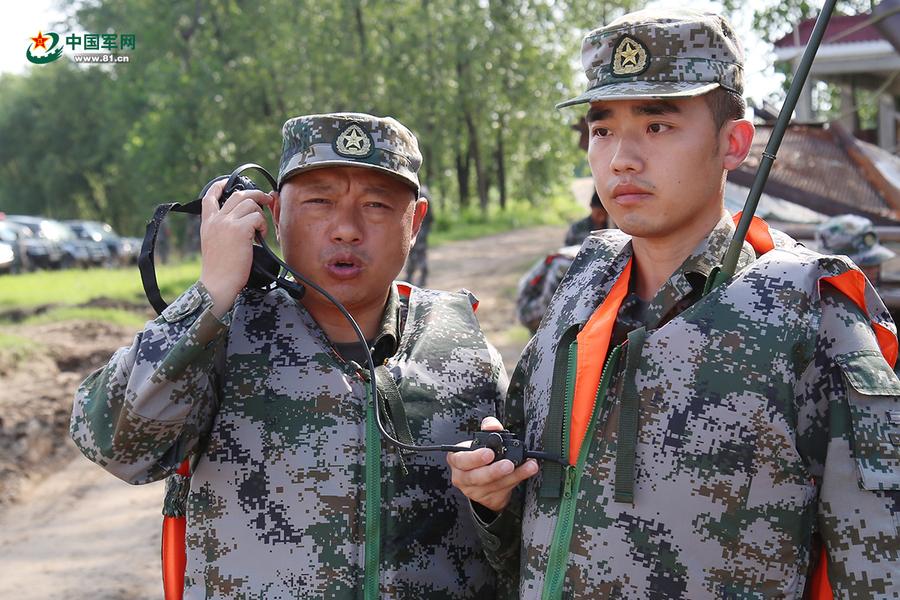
76,252
7,257
122,251
131,249
10,237
98,253
40,253
72,252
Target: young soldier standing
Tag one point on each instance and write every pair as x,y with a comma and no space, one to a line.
714,443
267,394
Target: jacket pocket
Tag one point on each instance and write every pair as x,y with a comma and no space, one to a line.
874,401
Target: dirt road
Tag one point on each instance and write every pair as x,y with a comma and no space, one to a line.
68,529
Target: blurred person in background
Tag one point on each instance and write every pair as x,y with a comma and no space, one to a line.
854,237
580,229
417,263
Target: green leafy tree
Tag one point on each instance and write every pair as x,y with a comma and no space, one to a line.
210,82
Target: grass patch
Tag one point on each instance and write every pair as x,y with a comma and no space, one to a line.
15,349
13,343
472,223
517,334
79,286
115,316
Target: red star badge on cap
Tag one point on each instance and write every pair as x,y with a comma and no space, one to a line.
40,41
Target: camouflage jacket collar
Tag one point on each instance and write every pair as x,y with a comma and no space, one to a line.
387,337
613,249
708,254
688,280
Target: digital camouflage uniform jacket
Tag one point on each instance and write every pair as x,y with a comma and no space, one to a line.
538,285
767,419
276,506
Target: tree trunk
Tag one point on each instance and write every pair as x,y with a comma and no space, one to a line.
360,31
463,160
188,32
429,150
501,168
463,157
480,178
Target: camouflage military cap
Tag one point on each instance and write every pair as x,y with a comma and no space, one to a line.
853,236
349,140
660,54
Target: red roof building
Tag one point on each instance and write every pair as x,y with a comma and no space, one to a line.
858,52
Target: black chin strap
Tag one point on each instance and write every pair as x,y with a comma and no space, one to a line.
145,260
266,267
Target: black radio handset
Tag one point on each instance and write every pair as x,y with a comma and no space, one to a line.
265,270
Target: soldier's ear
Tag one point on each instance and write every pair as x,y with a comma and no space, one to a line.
276,214
735,140
419,211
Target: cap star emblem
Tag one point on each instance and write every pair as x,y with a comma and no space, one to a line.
353,142
630,57
40,41
629,54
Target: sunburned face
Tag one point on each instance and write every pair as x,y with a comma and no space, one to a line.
349,230
659,166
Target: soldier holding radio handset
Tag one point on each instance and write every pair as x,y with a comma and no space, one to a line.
264,389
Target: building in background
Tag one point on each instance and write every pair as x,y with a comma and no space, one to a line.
858,52
823,169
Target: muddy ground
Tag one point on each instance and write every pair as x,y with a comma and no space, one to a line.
68,529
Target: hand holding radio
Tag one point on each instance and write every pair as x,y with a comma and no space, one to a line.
487,476
229,224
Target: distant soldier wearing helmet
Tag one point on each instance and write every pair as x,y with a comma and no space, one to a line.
854,236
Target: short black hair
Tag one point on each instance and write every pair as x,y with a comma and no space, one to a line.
725,105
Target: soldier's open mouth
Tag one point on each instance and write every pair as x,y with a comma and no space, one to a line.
344,268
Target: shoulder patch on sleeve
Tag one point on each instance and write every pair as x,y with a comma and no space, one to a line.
184,305
868,373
